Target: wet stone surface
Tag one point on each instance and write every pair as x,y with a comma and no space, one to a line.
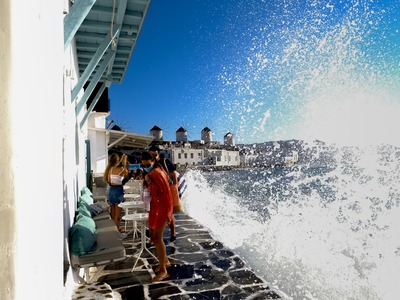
201,268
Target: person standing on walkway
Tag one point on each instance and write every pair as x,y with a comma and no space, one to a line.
170,169
114,175
160,213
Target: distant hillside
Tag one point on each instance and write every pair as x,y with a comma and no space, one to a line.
317,153
274,152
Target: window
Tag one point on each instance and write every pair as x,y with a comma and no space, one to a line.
199,154
185,155
179,156
191,155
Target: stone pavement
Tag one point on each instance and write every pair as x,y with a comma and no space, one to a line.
202,268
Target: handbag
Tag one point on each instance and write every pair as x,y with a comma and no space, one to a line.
146,198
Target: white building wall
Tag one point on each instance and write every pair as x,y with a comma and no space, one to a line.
223,157
74,151
42,166
168,154
31,161
233,158
186,156
99,142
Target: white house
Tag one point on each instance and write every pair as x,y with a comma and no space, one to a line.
222,157
50,51
184,155
291,160
201,152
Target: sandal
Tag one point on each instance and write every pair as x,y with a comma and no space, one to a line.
159,278
157,268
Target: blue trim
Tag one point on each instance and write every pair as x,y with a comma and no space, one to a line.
93,64
94,102
94,81
74,19
118,22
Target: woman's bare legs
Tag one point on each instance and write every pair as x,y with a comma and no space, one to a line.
117,219
172,228
157,238
116,214
112,211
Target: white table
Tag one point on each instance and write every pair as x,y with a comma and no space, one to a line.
131,196
141,219
134,206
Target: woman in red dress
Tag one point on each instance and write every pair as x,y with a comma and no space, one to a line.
161,206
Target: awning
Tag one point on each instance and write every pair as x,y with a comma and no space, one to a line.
124,20
125,139
105,34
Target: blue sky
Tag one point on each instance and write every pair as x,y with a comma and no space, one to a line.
263,70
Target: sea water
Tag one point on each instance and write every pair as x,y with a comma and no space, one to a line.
312,231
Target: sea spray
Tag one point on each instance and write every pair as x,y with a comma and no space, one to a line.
214,209
333,236
327,228
308,69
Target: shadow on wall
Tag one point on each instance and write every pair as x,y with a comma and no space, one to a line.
69,207
77,130
7,205
67,225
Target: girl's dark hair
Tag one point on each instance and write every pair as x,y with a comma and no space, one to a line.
154,148
148,156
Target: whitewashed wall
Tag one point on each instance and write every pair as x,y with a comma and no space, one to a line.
183,156
223,157
99,142
74,153
42,162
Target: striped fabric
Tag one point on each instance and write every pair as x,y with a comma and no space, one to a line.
182,185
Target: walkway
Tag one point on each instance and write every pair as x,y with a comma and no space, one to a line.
202,268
